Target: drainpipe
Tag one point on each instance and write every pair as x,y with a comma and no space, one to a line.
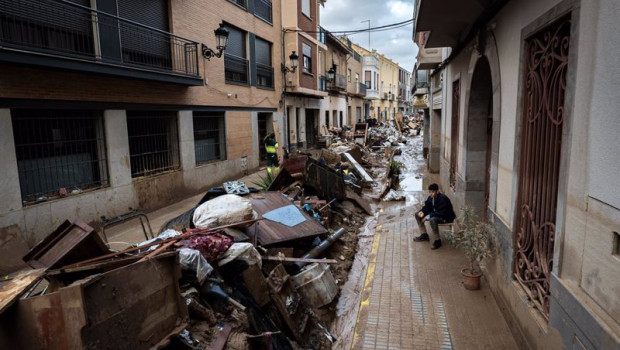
284,109
321,247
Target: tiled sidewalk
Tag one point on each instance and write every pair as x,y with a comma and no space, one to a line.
413,297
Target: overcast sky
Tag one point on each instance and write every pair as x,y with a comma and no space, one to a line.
396,44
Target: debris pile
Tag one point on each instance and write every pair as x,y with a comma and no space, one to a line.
245,268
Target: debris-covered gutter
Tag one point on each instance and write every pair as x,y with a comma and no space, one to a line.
256,269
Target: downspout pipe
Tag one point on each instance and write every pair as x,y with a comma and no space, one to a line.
321,247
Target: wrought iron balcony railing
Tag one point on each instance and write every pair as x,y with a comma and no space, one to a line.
236,69
339,83
55,29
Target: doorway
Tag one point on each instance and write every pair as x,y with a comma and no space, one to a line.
479,137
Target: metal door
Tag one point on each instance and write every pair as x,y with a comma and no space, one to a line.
454,135
541,139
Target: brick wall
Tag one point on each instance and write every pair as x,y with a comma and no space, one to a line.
308,80
192,19
311,24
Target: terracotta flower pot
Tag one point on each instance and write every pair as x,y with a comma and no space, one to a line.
471,281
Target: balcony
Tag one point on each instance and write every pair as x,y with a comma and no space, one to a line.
372,94
264,76
428,58
63,35
360,89
370,61
339,83
447,28
236,70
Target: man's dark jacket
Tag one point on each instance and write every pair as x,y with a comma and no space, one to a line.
442,208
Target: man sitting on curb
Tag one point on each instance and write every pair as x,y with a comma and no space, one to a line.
437,210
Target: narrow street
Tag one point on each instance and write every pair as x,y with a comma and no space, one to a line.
403,295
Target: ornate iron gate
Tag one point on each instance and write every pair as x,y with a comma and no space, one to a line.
454,134
541,139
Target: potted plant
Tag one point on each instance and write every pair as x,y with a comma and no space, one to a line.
473,238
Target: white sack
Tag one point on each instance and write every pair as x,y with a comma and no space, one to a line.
223,210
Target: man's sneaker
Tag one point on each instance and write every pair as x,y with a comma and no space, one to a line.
436,244
421,238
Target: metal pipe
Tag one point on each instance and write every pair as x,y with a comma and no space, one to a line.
321,247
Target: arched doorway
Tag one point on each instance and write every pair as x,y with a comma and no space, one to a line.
479,137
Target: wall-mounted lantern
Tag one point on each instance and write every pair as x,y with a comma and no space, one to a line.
221,38
294,58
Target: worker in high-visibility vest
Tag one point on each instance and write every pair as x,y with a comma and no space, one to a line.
271,146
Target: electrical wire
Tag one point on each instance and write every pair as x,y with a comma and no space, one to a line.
365,30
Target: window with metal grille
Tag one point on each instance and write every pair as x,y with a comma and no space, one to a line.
153,142
235,62
209,136
307,56
58,152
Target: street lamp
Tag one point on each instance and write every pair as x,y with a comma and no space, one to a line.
221,38
294,63
330,74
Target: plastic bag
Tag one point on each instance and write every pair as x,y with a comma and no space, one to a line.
223,210
191,259
394,196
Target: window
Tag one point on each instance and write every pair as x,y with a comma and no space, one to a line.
209,137
241,3
367,79
307,54
263,10
58,149
153,142
305,8
264,70
349,75
235,62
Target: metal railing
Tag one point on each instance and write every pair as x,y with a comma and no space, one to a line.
74,31
153,142
339,83
59,152
264,76
263,10
236,69
360,88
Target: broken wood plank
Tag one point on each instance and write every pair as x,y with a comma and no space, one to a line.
308,260
358,168
14,288
363,203
222,338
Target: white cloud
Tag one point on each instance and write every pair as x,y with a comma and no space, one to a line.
396,44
